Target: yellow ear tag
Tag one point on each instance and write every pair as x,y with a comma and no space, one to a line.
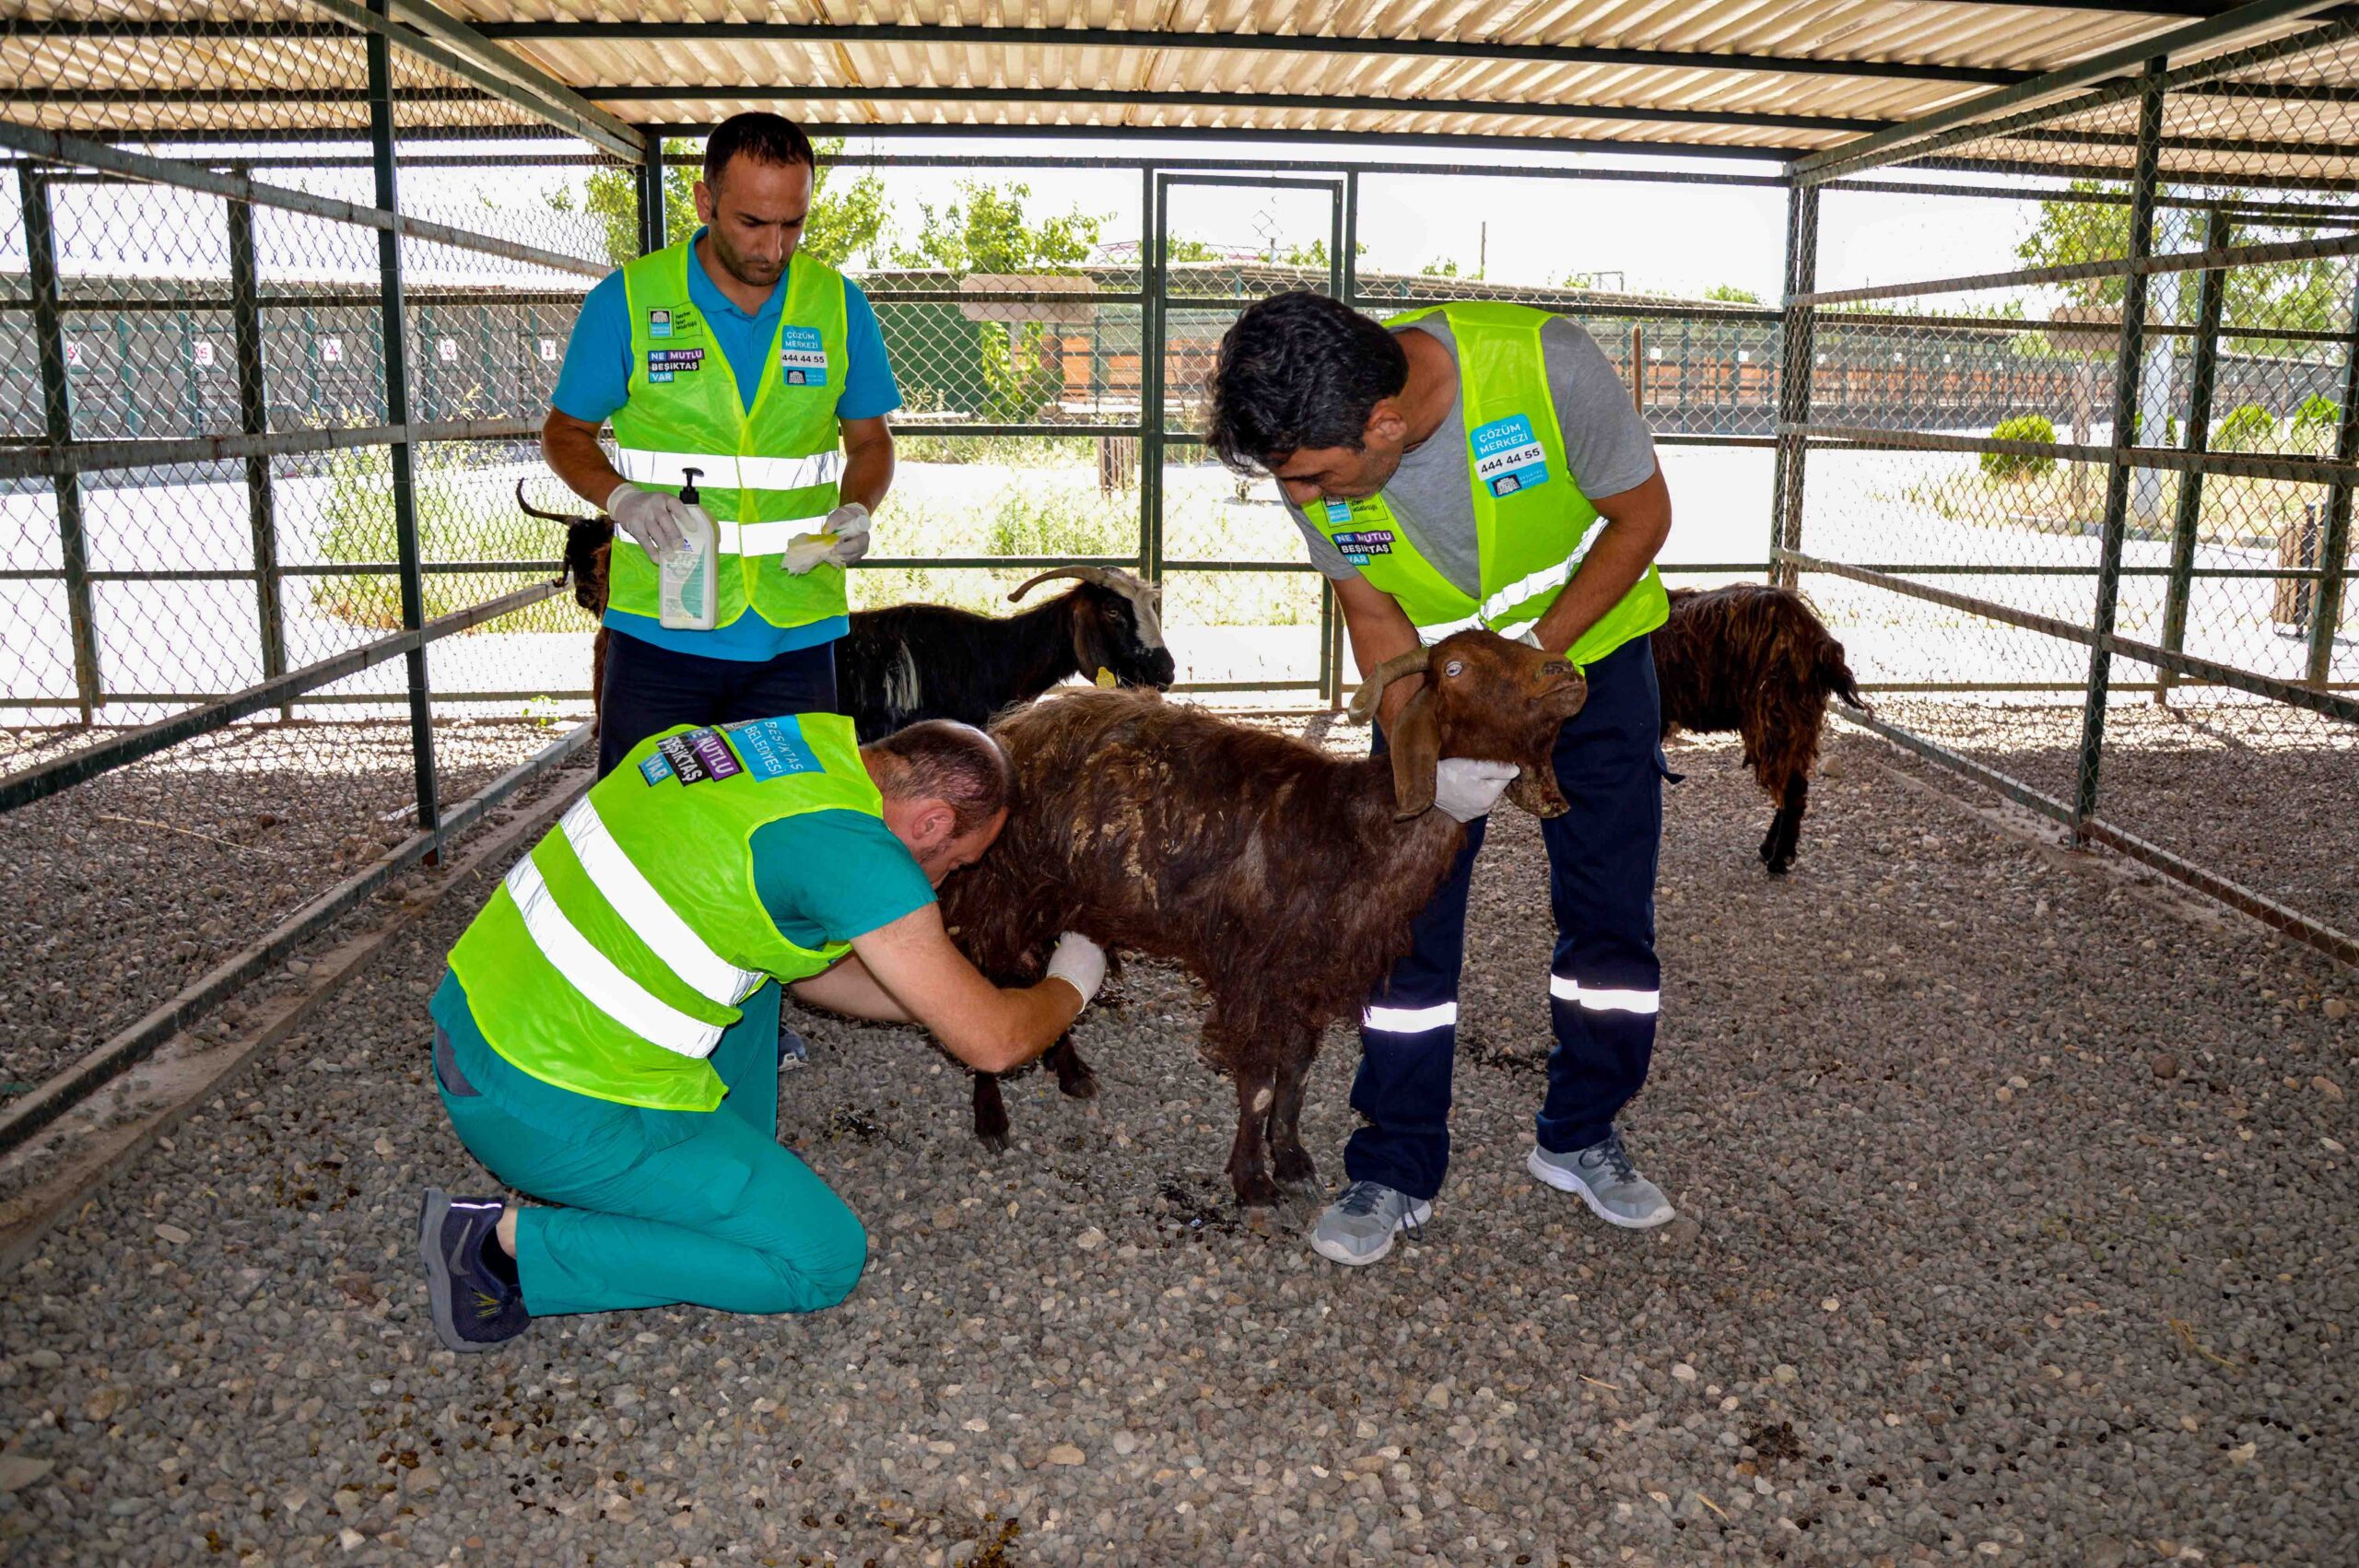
1106,678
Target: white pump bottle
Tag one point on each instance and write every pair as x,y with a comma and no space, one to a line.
687,588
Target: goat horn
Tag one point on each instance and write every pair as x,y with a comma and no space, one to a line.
1372,690
532,510
1104,576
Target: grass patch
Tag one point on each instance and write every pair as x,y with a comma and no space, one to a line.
464,514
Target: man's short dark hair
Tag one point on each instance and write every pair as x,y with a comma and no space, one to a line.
1297,371
757,135
940,759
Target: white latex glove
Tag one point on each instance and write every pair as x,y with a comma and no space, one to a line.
849,524
1079,963
649,516
1466,789
842,538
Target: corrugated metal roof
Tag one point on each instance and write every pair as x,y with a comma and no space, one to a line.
1726,75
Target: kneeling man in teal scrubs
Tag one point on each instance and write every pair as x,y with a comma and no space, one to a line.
606,1038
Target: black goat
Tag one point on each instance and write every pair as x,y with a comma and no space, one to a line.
912,661
1753,658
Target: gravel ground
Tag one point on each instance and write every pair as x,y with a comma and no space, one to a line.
2005,1236
126,887
2257,791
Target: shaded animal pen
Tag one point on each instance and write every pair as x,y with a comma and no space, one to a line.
283,294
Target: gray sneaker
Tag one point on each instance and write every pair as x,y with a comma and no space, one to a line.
1358,1227
1603,1177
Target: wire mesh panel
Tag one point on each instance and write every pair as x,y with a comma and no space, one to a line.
2140,505
267,395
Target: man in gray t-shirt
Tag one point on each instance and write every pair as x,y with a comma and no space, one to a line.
1539,516
1607,446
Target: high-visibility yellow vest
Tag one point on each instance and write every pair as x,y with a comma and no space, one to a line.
1532,524
614,956
765,473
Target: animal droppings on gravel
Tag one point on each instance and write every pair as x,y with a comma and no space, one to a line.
2043,1291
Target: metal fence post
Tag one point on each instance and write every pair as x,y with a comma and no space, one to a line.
2126,382
57,410
1150,380
2210,296
1796,364
394,328
1331,614
2334,548
253,418
653,225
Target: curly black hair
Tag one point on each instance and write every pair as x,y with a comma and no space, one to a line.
1299,371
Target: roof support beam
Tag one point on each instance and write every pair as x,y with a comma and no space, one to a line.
443,41
1888,146
1267,44
631,93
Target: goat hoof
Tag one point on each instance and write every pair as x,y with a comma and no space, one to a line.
1082,1085
1257,1192
1295,1167
993,1139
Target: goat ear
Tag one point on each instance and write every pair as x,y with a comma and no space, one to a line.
1535,791
1088,644
1415,741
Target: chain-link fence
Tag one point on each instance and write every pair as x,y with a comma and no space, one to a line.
2138,501
283,291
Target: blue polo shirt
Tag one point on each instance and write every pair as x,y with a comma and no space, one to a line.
595,381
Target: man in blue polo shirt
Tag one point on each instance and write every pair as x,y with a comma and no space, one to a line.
790,467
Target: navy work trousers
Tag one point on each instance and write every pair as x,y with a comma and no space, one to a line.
649,689
1604,984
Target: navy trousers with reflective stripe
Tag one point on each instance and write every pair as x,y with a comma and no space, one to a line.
1604,979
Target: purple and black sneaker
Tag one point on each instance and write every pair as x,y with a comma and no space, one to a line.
476,1300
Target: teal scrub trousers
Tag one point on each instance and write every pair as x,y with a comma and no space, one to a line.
652,1208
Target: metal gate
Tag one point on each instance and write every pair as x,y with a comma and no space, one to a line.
1171,423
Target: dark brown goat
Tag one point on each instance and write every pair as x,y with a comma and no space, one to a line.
1283,879
1754,659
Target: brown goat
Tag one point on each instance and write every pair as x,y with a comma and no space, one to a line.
1283,879
1754,659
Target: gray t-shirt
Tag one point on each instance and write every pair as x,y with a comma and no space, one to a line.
1431,495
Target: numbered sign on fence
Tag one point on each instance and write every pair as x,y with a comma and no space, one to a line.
204,353
330,351
73,355
447,350
548,351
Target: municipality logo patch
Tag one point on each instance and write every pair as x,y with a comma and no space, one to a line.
659,323
801,356
1508,460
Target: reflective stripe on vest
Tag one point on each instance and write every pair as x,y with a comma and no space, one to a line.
748,539
596,977
1497,611
727,471
642,909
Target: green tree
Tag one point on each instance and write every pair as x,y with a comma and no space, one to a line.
1184,247
2305,296
1730,294
843,228
987,230
1315,254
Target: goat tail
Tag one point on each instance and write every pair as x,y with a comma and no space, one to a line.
1835,677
